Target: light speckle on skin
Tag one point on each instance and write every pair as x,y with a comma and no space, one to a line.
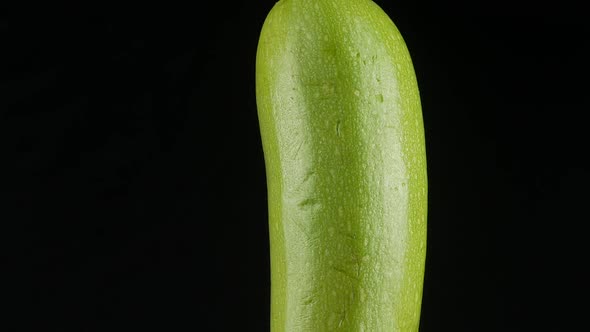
338,128
357,93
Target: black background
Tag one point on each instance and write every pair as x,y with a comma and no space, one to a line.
134,183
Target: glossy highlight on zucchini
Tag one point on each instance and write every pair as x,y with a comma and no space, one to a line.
343,140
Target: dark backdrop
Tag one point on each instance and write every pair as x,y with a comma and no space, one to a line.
134,181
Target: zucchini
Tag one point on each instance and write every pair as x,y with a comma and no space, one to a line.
343,140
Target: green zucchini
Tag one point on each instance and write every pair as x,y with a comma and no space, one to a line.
343,140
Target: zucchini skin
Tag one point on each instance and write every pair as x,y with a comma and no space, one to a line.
343,139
